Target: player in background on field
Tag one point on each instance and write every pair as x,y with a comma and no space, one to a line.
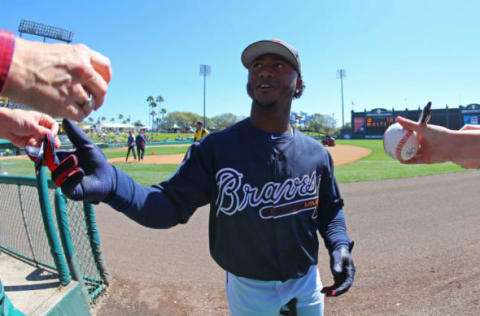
440,144
199,132
270,188
131,146
141,143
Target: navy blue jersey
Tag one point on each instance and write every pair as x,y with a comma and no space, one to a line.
130,140
268,196
140,140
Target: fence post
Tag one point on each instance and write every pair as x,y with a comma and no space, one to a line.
49,224
66,238
94,237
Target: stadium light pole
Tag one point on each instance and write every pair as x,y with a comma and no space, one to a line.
341,73
205,71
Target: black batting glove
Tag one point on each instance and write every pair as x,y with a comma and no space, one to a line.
97,179
343,270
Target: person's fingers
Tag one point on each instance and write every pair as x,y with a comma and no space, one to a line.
81,107
75,134
101,64
408,124
97,86
49,123
329,290
78,93
343,287
72,185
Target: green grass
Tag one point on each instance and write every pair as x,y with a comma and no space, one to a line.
147,174
18,167
159,150
378,165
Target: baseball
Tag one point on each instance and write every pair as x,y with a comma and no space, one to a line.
399,143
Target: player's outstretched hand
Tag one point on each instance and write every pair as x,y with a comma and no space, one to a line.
343,270
99,177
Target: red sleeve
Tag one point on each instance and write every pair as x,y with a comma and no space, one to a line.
7,44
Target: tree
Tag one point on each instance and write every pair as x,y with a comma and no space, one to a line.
163,111
223,121
153,114
112,119
183,120
153,103
120,117
321,123
91,119
138,123
330,123
316,123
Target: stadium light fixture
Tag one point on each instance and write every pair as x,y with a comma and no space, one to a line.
43,30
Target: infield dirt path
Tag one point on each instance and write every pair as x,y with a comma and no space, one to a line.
342,154
417,253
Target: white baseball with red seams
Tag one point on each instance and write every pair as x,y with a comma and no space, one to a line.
399,143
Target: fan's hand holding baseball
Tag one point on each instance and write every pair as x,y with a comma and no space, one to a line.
435,142
343,270
99,176
58,79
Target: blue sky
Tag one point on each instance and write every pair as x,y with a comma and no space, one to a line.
396,53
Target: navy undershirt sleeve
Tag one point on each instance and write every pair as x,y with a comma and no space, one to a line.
171,202
331,218
148,206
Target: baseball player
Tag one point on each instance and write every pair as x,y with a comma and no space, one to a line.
131,146
141,142
269,186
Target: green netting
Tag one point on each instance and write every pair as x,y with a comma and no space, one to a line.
83,250
22,231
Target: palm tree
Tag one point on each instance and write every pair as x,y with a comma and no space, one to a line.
159,100
153,114
152,105
120,117
112,119
91,120
163,111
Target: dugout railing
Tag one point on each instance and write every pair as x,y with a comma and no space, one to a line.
41,227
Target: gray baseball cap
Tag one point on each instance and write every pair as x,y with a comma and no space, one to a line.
274,46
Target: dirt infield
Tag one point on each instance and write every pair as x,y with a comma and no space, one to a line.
342,154
417,253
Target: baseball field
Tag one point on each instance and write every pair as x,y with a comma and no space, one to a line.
416,230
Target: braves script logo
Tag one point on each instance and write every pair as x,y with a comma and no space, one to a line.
234,196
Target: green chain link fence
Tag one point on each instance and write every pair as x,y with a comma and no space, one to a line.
30,230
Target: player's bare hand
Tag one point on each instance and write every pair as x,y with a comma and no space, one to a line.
343,270
58,79
24,128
